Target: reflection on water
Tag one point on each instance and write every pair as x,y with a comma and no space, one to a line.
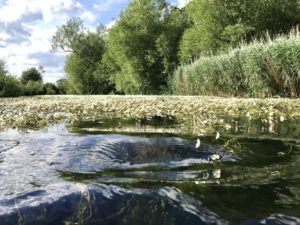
75,176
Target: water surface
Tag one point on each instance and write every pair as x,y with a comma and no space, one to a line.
85,175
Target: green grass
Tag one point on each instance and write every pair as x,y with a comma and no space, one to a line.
263,68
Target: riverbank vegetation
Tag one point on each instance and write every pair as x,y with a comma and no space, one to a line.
205,48
30,83
264,68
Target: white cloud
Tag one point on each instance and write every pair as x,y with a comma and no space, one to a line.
14,9
4,36
88,16
182,3
26,27
111,24
106,5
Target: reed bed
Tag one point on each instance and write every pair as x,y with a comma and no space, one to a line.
263,68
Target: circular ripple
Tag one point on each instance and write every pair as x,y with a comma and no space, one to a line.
98,153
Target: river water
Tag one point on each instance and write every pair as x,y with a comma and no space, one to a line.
70,175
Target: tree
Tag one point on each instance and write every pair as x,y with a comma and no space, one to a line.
33,81
3,69
86,74
217,25
32,74
9,85
68,36
50,89
142,46
62,86
33,88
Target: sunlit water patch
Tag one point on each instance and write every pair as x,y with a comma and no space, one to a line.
83,175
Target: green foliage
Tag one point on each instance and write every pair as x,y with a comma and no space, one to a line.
9,85
86,73
3,69
68,36
261,69
85,77
142,46
33,88
141,52
50,89
62,86
32,74
32,83
219,24
80,79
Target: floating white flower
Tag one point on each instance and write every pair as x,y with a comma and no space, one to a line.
217,173
215,157
228,127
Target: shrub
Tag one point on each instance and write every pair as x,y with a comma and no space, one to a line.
50,89
32,74
10,86
62,86
33,88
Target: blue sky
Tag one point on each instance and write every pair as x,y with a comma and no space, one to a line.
26,27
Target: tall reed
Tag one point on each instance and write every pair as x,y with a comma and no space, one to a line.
263,68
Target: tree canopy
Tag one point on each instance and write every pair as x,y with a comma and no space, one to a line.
68,36
32,74
9,85
86,74
217,25
142,47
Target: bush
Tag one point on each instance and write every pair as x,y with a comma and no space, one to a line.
260,69
33,88
50,89
62,86
10,86
32,74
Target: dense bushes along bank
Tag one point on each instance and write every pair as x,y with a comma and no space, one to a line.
260,69
30,83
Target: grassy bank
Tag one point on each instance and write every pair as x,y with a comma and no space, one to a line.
260,69
193,114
